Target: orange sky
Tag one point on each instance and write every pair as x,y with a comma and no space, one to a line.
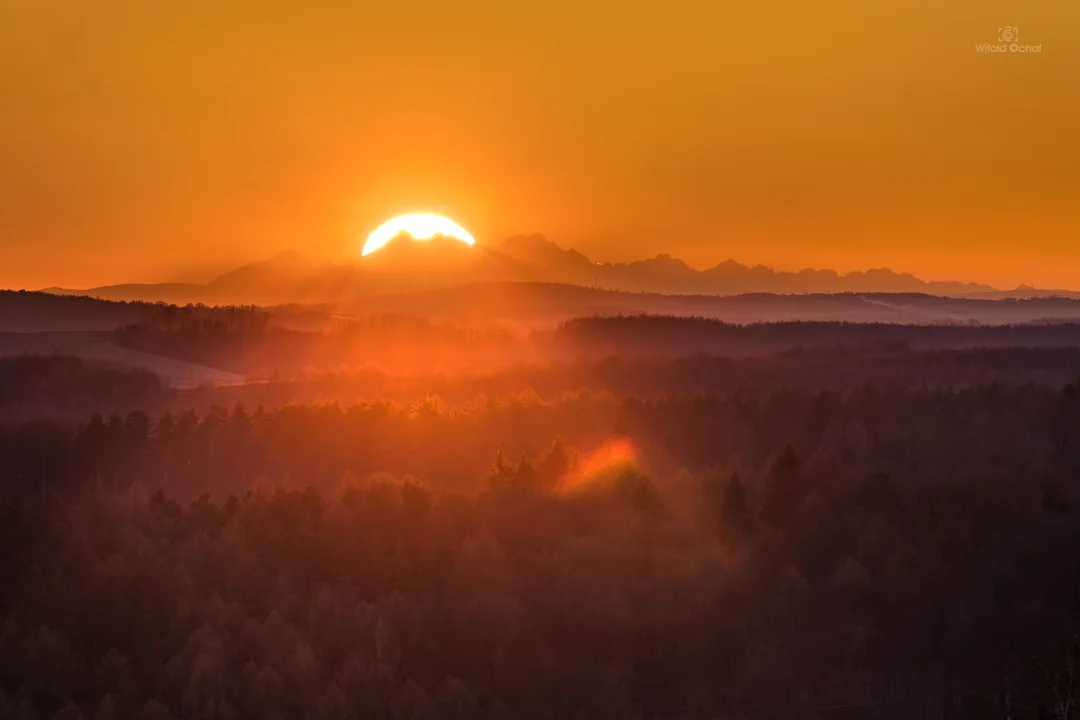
163,141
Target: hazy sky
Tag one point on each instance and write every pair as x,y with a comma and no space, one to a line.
148,140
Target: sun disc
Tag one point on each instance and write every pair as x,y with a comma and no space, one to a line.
419,226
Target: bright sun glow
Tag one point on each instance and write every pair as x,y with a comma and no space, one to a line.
421,226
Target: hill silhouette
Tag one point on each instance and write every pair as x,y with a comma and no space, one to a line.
406,265
23,311
534,304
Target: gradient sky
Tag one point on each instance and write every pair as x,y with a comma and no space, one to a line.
150,141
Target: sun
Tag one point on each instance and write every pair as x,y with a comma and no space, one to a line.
421,226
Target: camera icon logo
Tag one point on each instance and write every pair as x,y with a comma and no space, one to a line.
1009,33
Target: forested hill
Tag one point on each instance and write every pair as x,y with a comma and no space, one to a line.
24,311
62,385
535,301
544,304
676,336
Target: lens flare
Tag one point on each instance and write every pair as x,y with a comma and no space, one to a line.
603,463
421,226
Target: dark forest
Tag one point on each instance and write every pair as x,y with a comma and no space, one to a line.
838,531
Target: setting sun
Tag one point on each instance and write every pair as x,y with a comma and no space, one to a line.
420,226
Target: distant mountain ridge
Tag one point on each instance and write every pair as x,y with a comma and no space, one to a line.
405,265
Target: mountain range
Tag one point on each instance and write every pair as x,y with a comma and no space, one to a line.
406,265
